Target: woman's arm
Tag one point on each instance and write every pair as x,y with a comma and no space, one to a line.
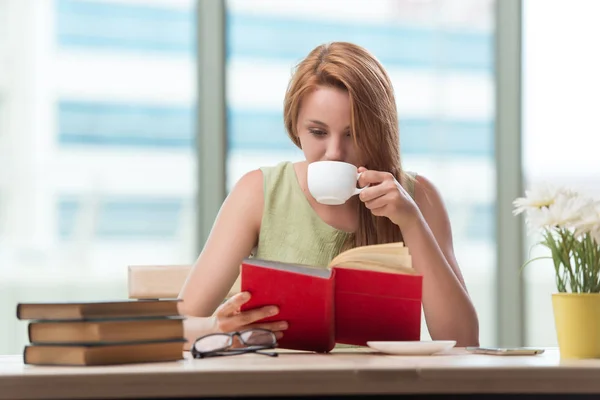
426,231
449,311
232,238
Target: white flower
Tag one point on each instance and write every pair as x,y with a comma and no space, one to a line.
567,219
537,219
568,211
548,207
590,221
541,197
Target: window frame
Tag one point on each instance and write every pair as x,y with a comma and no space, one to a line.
211,138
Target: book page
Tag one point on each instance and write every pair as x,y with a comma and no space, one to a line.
392,257
374,266
387,248
297,268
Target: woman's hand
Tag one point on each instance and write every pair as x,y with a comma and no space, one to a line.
229,318
386,197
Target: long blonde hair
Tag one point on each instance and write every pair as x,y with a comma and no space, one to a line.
373,118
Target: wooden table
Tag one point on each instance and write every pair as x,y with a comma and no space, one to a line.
343,372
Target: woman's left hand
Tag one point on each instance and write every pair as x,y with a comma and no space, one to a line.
386,197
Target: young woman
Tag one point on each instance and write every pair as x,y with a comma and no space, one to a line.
339,106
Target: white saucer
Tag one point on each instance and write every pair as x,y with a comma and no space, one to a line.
413,348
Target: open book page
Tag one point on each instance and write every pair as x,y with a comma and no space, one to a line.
374,266
386,248
392,257
297,268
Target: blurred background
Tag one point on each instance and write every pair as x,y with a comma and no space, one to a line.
99,121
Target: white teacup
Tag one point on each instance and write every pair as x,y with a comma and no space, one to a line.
333,182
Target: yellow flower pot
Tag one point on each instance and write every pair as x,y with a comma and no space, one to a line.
577,321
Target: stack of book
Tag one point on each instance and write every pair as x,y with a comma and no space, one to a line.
101,333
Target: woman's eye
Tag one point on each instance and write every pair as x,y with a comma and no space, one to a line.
317,132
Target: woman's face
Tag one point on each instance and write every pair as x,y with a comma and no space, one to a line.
324,126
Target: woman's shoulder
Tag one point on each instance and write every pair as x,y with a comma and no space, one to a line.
422,183
418,182
256,176
258,182
426,194
248,189
275,170
249,181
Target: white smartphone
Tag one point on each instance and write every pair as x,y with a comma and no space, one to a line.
506,351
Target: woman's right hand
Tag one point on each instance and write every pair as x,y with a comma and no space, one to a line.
229,318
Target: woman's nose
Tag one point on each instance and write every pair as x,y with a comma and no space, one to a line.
335,151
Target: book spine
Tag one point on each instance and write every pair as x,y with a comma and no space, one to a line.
29,328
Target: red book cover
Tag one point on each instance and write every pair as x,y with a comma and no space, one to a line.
376,306
305,298
324,307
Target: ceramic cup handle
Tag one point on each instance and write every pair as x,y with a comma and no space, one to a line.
358,190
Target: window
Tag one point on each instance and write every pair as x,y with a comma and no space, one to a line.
128,125
561,87
4,28
103,166
440,57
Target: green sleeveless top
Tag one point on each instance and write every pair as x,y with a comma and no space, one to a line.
291,230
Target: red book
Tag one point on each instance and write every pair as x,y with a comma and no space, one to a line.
367,294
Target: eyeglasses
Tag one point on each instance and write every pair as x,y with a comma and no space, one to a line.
221,344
